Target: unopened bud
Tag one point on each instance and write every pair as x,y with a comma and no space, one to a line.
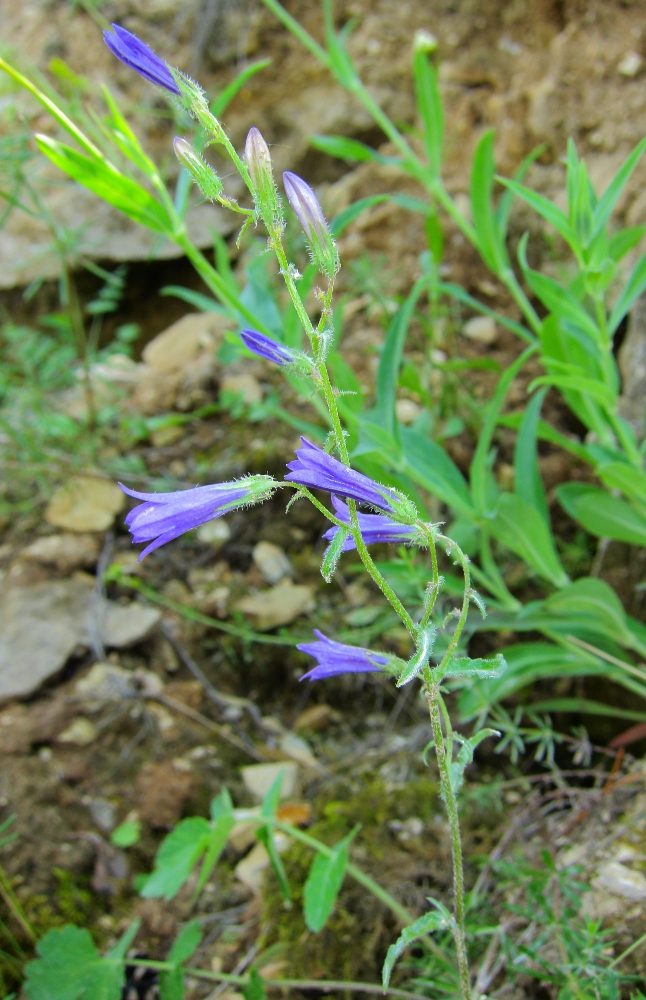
204,176
258,159
310,215
425,41
333,553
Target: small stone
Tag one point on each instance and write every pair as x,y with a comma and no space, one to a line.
280,605
317,718
214,533
243,834
104,683
155,392
85,503
81,732
630,65
250,871
298,749
180,344
407,411
272,561
123,625
103,814
162,792
258,778
481,329
245,386
620,880
66,552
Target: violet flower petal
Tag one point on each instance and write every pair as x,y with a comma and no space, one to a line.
317,470
337,658
138,56
164,516
375,528
267,348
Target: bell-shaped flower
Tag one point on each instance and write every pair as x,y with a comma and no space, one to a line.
164,516
337,658
140,57
267,348
375,528
317,470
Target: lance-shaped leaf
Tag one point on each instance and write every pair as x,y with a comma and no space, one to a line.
425,642
464,666
171,983
324,883
465,755
265,835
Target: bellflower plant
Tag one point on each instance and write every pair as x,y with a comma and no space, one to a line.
393,517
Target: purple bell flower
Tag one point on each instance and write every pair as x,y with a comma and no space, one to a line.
336,658
165,516
317,470
140,57
375,528
267,348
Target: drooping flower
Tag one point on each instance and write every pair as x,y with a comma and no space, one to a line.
140,57
165,516
267,348
317,470
375,528
310,215
337,658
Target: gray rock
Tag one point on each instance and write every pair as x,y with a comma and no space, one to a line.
41,626
272,561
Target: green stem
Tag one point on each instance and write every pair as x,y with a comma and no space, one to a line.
434,698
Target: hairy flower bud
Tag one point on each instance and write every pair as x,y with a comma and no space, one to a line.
204,176
310,215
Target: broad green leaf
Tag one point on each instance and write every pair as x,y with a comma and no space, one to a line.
186,942
490,244
609,198
324,884
521,528
527,663
177,855
171,984
430,108
603,514
592,601
126,834
70,968
528,483
430,466
465,666
104,180
545,208
629,294
434,920
624,477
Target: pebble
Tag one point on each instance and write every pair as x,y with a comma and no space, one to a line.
407,411
272,561
481,329
180,344
278,606
66,552
214,533
620,880
258,778
630,65
245,386
103,814
81,732
104,683
85,503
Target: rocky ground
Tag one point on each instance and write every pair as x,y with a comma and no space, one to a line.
132,691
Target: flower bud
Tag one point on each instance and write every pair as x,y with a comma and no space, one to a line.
258,159
205,177
425,41
310,215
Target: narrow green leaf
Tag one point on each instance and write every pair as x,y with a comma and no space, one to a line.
425,640
255,988
556,298
429,465
505,202
434,920
324,883
390,361
124,943
490,244
609,198
204,303
266,837
344,148
592,602
528,483
629,294
521,528
429,103
623,241
603,514
222,824
104,180
465,666
545,208
224,98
